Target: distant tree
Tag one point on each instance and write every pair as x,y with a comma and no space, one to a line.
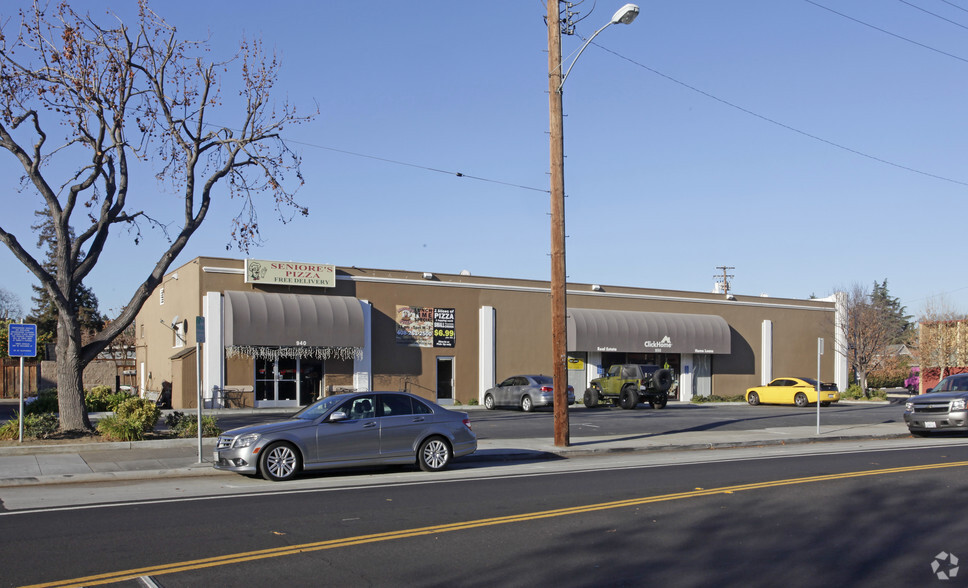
9,312
9,305
867,331
942,336
82,104
121,348
897,322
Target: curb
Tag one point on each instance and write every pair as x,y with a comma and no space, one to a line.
196,471
207,443
483,455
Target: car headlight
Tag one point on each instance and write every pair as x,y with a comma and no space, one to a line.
909,406
245,440
958,404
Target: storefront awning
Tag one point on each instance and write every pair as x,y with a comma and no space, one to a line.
260,319
646,332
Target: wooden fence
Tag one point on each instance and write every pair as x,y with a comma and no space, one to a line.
10,382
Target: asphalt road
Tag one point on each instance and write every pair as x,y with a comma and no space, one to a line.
583,422
809,516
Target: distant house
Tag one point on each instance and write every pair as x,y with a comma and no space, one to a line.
900,350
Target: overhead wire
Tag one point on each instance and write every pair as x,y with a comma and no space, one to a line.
950,3
703,93
887,32
781,124
418,166
938,16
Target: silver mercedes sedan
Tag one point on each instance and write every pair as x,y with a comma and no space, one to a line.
362,428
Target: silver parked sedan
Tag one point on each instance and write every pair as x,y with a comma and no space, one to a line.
363,428
524,392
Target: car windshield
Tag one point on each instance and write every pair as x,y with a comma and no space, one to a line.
314,411
955,384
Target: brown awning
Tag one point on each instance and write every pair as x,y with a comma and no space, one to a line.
646,332
261,319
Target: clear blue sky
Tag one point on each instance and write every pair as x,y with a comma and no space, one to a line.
768,136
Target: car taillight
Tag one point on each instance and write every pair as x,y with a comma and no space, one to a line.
547,389
467,423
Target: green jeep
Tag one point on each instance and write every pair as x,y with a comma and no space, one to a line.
629,384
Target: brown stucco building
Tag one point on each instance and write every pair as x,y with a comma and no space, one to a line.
284,333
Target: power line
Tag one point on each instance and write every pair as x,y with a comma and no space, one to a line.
418,166
949,3
780,124
948,20
886,32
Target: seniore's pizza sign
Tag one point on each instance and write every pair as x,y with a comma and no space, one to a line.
290,273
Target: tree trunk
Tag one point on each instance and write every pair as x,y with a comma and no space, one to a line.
862,380
70,380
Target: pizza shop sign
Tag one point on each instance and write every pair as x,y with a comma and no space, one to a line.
290,273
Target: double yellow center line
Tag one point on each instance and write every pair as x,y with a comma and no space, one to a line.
460,526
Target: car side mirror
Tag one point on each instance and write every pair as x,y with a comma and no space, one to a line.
337,416
929,390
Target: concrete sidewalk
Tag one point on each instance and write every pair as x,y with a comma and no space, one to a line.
104,462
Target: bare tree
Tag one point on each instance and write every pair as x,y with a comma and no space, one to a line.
81,104
942,337
9,306
867,331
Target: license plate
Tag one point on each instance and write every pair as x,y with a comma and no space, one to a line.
830,395
930,425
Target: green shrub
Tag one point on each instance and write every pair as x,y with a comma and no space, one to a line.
853,392
138,410
878,394
132,418
115,428
887,380
103,398
46,402
183,425
36,426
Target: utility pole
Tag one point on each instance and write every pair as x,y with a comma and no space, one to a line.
559,343
724,278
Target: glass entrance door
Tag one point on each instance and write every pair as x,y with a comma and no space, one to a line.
276,382
445,380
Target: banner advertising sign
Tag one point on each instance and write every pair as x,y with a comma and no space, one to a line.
426,327
290,273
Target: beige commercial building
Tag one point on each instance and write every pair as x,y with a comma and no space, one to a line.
268,333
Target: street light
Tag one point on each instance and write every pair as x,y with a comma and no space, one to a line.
556,80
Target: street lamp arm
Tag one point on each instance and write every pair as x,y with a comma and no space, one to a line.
575,60
624,15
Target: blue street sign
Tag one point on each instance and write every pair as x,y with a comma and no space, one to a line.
21,340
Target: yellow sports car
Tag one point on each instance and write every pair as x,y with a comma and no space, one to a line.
799,391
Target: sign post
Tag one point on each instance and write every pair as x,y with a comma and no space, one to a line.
819,353
21,342
199,339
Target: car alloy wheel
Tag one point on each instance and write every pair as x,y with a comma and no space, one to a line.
753,398
489,402
280,462
434,454
801,399
526,404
